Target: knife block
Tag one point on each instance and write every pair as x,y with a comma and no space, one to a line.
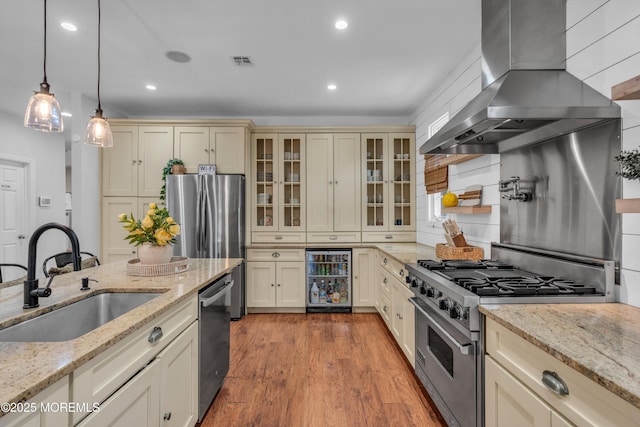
459,241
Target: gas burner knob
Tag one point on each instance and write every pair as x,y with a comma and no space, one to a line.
455,312
430,292
409,278
424,291
465,314
444,304
414,283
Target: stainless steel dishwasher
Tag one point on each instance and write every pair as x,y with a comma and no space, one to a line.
215,318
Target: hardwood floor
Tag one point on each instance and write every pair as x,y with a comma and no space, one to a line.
326,369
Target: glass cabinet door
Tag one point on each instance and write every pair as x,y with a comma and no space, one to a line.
375,183
402,187
291,182
264,190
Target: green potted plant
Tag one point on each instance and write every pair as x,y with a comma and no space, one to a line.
629,164
174,166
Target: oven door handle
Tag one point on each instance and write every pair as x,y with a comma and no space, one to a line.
464,349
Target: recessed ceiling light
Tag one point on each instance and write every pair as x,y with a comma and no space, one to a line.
341,25
151,87
68,26
66,114
332,86
177,56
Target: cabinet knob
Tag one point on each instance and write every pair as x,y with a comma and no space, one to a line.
385,280
330,182
139,162
336,182
206,150
278,284
272,285
401,272
133,162
384,261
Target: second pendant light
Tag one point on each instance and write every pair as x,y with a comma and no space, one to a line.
98,131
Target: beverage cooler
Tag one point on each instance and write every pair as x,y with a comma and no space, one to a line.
328,280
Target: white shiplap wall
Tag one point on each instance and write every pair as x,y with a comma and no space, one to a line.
603,49
462,85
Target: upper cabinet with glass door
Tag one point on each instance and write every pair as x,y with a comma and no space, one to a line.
388,187
277,194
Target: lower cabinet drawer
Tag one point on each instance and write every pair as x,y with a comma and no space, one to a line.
275,254
100,377
261,237
389,236
339,237
587,403
395,267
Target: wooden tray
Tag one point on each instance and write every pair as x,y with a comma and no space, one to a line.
449,252
178,264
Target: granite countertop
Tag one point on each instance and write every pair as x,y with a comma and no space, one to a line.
403,252
48,362
601,341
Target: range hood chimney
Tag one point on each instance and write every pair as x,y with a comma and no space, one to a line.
527,95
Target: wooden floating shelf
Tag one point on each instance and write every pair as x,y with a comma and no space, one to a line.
626,90
627,205
471,210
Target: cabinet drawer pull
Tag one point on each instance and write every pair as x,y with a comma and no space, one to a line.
278,237
385,281
388,236
167,416
275,254
554,383
384,308
384,261
401,272
333,237
155,334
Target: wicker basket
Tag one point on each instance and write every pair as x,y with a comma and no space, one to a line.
178,264
450,252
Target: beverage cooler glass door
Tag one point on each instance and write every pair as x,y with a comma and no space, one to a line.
328,280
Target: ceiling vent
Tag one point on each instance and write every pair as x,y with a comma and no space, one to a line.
242,60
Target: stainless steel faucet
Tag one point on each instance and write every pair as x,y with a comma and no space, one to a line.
513,184
31,290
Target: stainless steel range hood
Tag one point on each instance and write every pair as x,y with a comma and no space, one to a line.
527,95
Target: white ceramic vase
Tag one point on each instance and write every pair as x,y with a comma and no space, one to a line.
154,254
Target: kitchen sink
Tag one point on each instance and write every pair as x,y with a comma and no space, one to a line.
76,319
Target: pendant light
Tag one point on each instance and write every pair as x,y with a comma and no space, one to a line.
43,110
98,130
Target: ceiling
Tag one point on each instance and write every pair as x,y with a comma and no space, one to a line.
384,64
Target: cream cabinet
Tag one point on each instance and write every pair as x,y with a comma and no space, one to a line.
388,187
146,376
278,191
222,146
364,268
42,410
516,394
275,279
133,167
392,302
114,247
333,188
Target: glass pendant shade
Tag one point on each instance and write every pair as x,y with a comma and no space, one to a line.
43,112
98,132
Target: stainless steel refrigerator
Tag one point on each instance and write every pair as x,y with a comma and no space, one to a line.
211,212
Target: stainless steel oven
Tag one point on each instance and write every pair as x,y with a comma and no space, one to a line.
450,360
448,323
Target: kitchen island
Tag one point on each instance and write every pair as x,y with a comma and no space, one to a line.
30,367
598,341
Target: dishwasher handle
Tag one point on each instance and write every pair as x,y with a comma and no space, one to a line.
206,302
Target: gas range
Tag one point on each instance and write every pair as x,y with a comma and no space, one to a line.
515,275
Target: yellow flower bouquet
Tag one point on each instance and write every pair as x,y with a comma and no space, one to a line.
156,228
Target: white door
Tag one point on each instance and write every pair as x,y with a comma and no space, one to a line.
13,244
